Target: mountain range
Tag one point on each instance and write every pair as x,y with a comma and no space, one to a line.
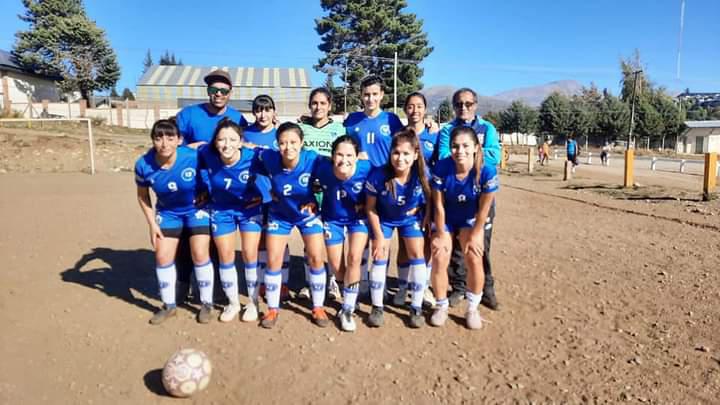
531,96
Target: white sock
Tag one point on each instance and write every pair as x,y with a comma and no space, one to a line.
417,282
377,282
473,299
286,266
273,281
443,303
262,265
403,273
205,274
229,281
350,297
428,266
167,277
251,281
318,278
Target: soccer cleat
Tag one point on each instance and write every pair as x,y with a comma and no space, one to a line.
376,318
428,298
490,300
473,320
333,290
304,293
347,321
439,316
251,313
417,320
269,319
455,298
284,293
400,297
320,317
162,315
230,312
205,314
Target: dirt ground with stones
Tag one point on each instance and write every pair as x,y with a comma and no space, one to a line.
607,295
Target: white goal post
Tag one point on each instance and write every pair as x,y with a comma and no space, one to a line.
91,143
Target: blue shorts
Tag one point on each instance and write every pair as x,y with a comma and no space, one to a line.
335,230
408,229
228,221
277,226
172,223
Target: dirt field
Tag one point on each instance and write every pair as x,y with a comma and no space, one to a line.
607,296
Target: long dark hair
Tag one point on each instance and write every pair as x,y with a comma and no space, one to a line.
478,159
418,168
225,123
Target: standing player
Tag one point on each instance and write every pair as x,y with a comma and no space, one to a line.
342,180
197,122
171,171
396,197
235,202
415,107
465,107
463,193
293,205
572,151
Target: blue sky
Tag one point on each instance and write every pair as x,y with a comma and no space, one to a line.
490,46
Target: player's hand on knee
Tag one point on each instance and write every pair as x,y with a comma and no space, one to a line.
475,245
155,235
380,249
440,247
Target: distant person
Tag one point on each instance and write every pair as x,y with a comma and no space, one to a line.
573,150
464,103
197,122
605,153
541,153
546,152
171,170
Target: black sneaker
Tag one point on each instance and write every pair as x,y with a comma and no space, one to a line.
376,318
456,298
162,315
417,320
205,313
490,301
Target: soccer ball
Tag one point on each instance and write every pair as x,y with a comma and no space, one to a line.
186,372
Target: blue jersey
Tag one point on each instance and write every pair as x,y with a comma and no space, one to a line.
571,147
428,143
231,187
265,140
175,187
461,197
197,124
373,134
396,209
486,132
343,200
291,188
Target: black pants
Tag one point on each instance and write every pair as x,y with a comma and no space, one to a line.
457,273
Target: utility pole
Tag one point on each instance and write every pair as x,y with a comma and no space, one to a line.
345,86
395,84
632,108
630,153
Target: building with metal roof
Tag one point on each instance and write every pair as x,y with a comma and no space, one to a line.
18,85
179,85
700,137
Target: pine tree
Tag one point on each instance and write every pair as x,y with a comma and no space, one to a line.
444,111
127,94
63,41
360,37
556,115
147,62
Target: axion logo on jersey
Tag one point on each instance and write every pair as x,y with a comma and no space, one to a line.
304,179
244,176
357,187
385,129
188,174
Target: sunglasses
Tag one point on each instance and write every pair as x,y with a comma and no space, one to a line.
214,90
467,105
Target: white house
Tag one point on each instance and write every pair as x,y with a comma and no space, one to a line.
700,137
18,85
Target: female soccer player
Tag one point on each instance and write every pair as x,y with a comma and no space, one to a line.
342,180
463,193
396,196
415,107
171,171
293,205
235,203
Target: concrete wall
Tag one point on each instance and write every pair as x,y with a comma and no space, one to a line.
710,142
19,86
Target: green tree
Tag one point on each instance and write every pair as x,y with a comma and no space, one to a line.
63,41
127,94
649,123
147,62
360,37
519,118
613,118
556,115
114,93
627,68
168,59
495,119
670,115
444,111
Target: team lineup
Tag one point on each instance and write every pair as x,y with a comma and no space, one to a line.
345,186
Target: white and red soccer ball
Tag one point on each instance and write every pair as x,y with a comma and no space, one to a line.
186,373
